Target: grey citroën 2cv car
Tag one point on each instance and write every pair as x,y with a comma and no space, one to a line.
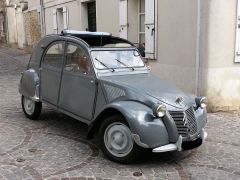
102,81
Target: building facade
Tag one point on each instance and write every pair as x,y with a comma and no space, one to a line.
23,22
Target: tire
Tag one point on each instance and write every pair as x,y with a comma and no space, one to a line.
31,108
116,140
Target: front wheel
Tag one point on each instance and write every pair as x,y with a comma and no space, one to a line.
116,140
31,108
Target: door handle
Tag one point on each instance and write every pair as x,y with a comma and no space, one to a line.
92,81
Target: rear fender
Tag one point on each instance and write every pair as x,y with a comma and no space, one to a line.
29,84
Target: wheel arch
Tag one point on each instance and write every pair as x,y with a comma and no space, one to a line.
150,129
95,125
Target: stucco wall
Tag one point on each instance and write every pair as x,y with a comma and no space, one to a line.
33,4
73,14
133,21
21,39
11,24
176,43
219,74
108,16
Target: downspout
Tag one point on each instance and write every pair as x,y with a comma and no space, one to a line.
42,13
197,58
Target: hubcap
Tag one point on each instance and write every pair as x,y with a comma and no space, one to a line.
118,139
29,105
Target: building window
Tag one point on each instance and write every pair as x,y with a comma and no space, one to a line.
237,46
141,21
60,20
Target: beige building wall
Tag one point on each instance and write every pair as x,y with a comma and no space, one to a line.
73,8
133,21
219,75
21,38
176,43
11,24
107,13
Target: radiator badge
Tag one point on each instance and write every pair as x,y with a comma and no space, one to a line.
179,100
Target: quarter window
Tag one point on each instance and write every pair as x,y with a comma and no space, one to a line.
54,55
76,60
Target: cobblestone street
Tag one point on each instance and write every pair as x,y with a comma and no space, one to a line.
55,146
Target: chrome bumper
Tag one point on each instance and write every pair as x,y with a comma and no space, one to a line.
178,145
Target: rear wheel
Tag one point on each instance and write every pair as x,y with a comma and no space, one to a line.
116,140
31,108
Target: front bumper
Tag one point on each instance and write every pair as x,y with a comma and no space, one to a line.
180,145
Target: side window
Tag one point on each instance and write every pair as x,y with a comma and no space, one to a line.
76,60
54,55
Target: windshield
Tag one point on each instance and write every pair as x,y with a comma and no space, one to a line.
114,59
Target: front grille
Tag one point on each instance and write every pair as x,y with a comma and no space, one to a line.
185,122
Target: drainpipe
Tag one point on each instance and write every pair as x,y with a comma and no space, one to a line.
197,58
42,13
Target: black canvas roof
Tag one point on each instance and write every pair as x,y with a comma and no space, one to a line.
97,39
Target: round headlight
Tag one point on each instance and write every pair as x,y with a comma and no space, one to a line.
202,102
159,110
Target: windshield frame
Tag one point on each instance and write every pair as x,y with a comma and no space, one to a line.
116,49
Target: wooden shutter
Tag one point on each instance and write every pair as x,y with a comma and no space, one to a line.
65,18
55,21
237,47
123,8
150,29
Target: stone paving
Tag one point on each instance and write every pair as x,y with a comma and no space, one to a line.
55,146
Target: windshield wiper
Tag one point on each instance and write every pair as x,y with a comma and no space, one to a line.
111,69
124,64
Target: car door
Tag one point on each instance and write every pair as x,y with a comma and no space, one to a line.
51,67
77,93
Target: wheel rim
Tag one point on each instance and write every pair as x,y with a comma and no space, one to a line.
29,105
118,139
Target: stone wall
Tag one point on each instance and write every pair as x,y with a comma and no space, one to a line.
2,19
32,27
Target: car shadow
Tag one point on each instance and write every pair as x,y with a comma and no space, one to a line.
62,124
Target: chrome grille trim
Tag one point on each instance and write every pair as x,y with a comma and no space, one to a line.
191,120
185,122
113,92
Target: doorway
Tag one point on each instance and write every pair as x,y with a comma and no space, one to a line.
91,10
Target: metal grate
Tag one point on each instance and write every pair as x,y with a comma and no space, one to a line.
185,122
113,92
191,120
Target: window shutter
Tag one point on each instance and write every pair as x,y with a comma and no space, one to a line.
123,8
54,21
65,18
237,47
150,29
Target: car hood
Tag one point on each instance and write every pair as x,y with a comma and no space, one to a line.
150,86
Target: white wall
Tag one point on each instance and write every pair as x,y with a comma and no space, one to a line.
11,24
21,38
108,16
219,74
176,43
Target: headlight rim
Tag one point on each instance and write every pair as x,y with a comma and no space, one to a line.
202,102
159,107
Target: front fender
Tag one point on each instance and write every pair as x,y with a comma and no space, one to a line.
151,130
29,84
